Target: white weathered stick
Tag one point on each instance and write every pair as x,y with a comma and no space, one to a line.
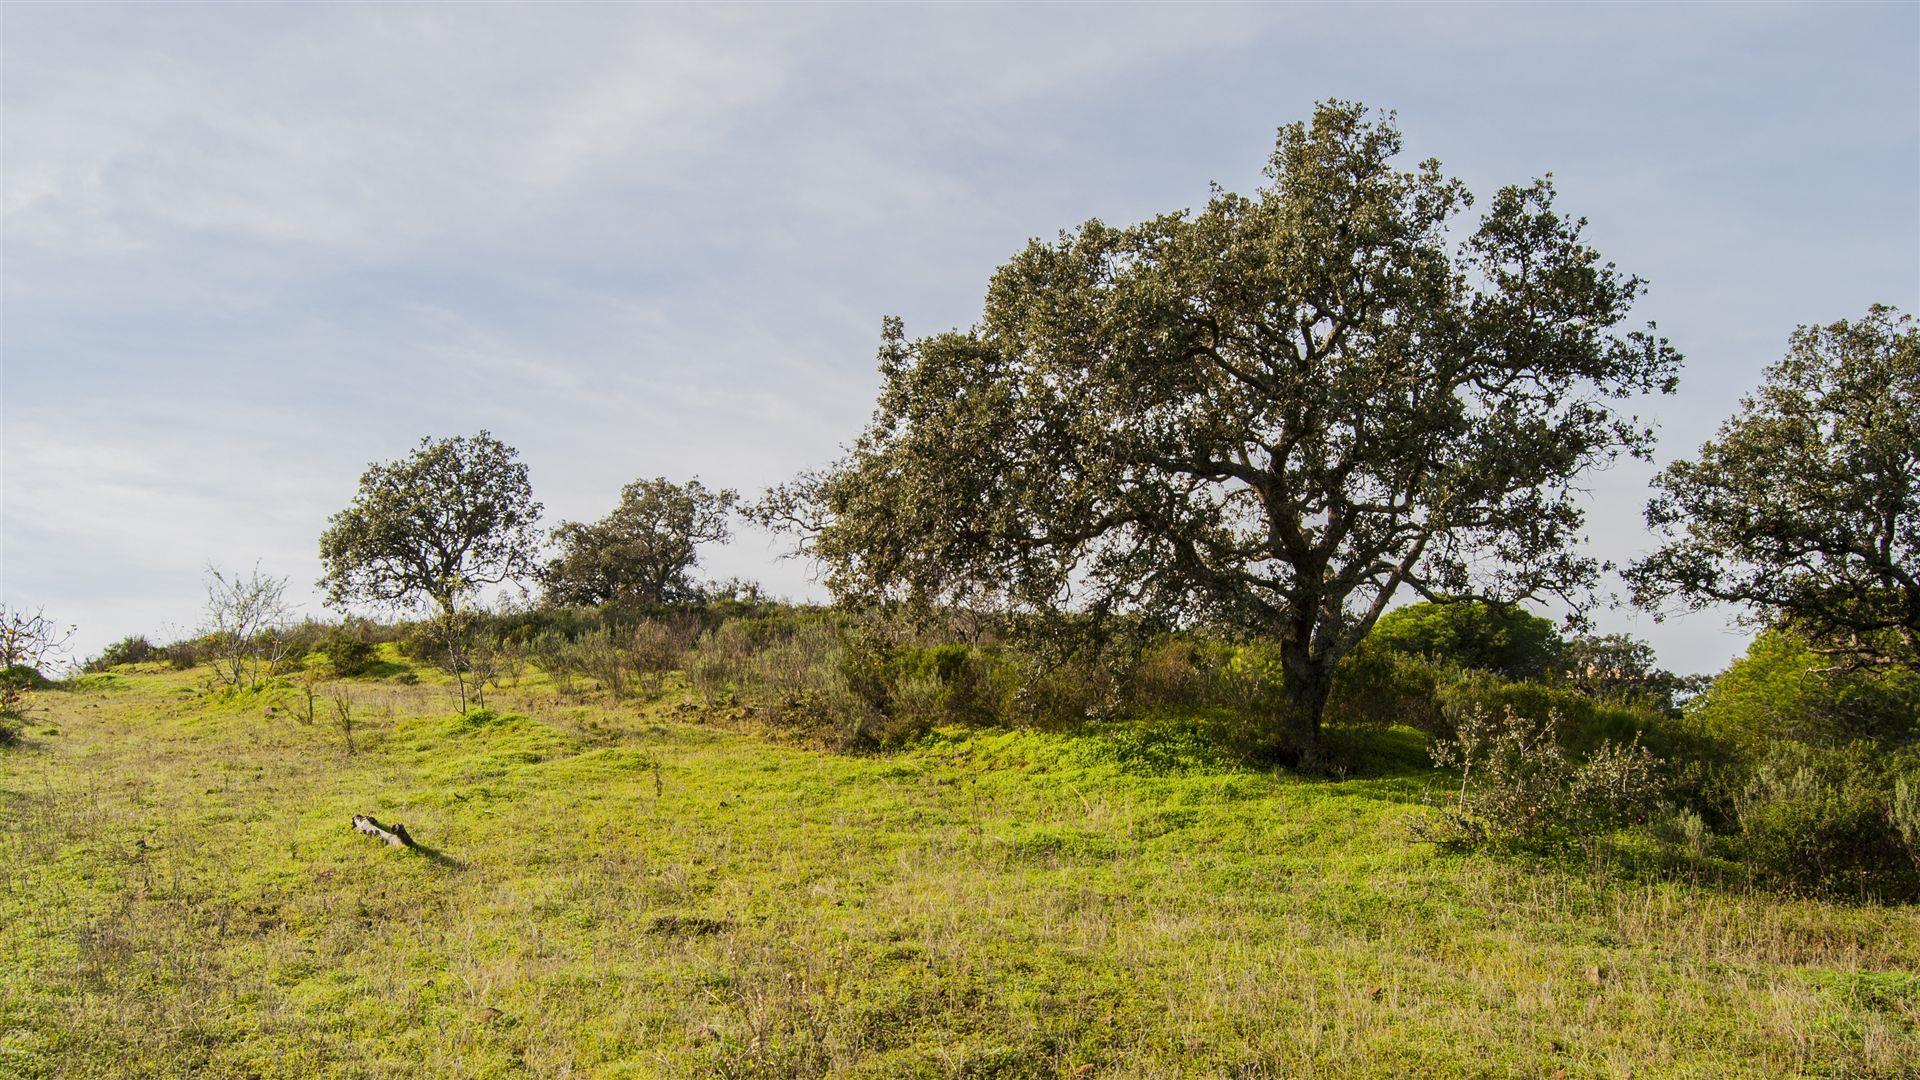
397,836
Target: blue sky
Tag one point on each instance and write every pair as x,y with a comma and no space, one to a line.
248,249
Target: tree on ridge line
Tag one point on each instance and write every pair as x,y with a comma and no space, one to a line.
644,552
453,516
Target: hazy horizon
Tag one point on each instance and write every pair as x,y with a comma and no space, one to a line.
248,250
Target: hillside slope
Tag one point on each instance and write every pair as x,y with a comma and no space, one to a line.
648,891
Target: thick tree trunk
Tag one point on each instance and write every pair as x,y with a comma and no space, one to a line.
1306,686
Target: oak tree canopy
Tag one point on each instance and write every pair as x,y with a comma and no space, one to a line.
453,516
1805,506
644,552
1274,414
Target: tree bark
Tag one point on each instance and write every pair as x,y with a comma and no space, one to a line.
1305,687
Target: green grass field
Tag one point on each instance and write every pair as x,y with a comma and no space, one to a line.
628,890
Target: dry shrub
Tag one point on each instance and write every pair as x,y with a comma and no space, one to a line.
1519,785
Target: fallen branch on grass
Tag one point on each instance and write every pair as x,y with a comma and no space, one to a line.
397,836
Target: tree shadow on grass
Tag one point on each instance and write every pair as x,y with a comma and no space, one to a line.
1388,764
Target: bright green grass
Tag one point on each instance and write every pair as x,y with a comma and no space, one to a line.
619,890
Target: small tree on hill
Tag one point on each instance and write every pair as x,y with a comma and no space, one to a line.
29,642
1621,667
452,517
245,617
645,551
1805,507
1273,414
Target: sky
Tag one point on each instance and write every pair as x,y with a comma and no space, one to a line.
246,250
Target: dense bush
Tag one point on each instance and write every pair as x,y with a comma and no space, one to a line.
349,648
15,681
302,639
1783,690
1832,819
189,653
627,661
1903,810
1801,765
1381,687
1583,723
132,649
1506,640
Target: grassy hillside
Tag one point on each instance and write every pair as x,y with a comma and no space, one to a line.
664,891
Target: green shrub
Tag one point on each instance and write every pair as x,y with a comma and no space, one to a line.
1782,690
189,653
349,649
1382,687
1505,640
949,684
15,682
1251,679
301,640
1828,820
1176,670
1903,811
1584,723
132,649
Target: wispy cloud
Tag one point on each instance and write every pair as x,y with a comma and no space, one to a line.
248,249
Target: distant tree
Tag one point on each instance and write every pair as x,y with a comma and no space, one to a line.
1503,639
1273,414
645,551
453,516
1805,507
1620,666
245,619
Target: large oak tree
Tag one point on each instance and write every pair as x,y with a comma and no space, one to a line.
1274,414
